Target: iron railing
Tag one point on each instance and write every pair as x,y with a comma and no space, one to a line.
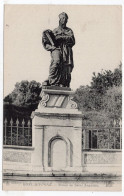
94,135
17,133
102,135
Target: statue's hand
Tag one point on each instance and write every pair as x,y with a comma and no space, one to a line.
69,41
53,48
49,47
59,37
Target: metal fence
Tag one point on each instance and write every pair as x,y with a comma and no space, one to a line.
102,136
18,133
94,135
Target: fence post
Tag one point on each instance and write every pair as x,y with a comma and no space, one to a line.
11,123
17,123
115,122
29,123
109,138
120,134
23,123
5,129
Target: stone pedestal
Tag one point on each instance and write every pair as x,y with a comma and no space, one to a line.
57,132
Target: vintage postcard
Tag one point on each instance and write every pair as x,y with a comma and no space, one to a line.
62,120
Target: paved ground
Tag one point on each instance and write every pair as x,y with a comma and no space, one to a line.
61,182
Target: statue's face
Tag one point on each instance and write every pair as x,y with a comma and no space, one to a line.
63,20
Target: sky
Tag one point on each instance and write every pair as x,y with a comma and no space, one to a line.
98,35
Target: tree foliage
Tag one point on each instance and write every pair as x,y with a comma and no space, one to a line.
107,79
25,93
103,98
112,102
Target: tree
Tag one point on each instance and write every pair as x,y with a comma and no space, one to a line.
107,79
102,100
25,93
113,102
117,79
88,99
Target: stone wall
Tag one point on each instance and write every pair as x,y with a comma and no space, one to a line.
102,161
22,161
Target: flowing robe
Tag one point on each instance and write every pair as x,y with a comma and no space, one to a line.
62,56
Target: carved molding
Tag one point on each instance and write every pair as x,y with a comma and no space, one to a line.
45,99
71,104
61,116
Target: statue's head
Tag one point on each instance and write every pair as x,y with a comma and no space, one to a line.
63,18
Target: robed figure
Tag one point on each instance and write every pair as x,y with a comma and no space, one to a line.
60,42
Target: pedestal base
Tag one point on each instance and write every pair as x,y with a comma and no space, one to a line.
57,132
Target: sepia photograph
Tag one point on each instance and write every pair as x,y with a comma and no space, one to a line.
62,104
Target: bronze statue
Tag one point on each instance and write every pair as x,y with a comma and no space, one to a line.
60,42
